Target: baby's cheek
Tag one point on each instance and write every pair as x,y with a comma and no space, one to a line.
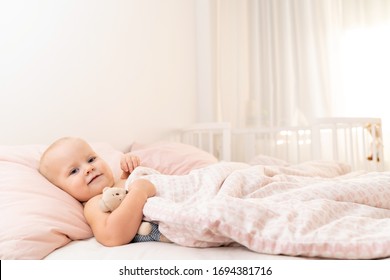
111,180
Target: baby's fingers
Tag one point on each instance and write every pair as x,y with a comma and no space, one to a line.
136,161
124,166
129,163
125,175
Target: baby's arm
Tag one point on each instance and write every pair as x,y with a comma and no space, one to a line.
120,226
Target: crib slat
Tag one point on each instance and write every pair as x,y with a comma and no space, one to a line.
340,139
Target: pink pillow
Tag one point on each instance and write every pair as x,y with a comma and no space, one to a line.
38,217
171,157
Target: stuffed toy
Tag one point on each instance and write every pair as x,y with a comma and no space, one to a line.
112,198
375,131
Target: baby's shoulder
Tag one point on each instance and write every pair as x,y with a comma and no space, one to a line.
92,204
94,199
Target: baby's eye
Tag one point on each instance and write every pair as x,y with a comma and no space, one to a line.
74,171
91,159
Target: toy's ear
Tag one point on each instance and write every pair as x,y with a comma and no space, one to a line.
106,188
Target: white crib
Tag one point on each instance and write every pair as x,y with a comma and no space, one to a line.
356,141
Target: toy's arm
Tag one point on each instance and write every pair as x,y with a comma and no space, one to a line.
120,226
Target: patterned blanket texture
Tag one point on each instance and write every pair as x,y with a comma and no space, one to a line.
313,209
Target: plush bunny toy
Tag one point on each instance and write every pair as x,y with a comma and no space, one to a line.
112,198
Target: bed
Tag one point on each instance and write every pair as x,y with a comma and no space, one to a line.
340,160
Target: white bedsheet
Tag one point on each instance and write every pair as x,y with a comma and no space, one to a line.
90,249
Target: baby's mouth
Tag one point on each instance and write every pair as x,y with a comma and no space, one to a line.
93,178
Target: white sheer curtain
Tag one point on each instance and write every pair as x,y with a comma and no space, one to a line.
274,61
283,62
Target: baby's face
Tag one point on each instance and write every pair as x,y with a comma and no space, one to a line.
78,170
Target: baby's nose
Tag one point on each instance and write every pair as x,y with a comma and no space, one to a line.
89,168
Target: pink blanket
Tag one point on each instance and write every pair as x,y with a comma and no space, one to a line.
313,210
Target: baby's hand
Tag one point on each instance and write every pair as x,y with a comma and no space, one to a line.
128,164
143,186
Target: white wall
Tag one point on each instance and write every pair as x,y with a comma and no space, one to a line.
113,71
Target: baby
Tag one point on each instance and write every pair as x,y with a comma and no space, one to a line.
73,166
